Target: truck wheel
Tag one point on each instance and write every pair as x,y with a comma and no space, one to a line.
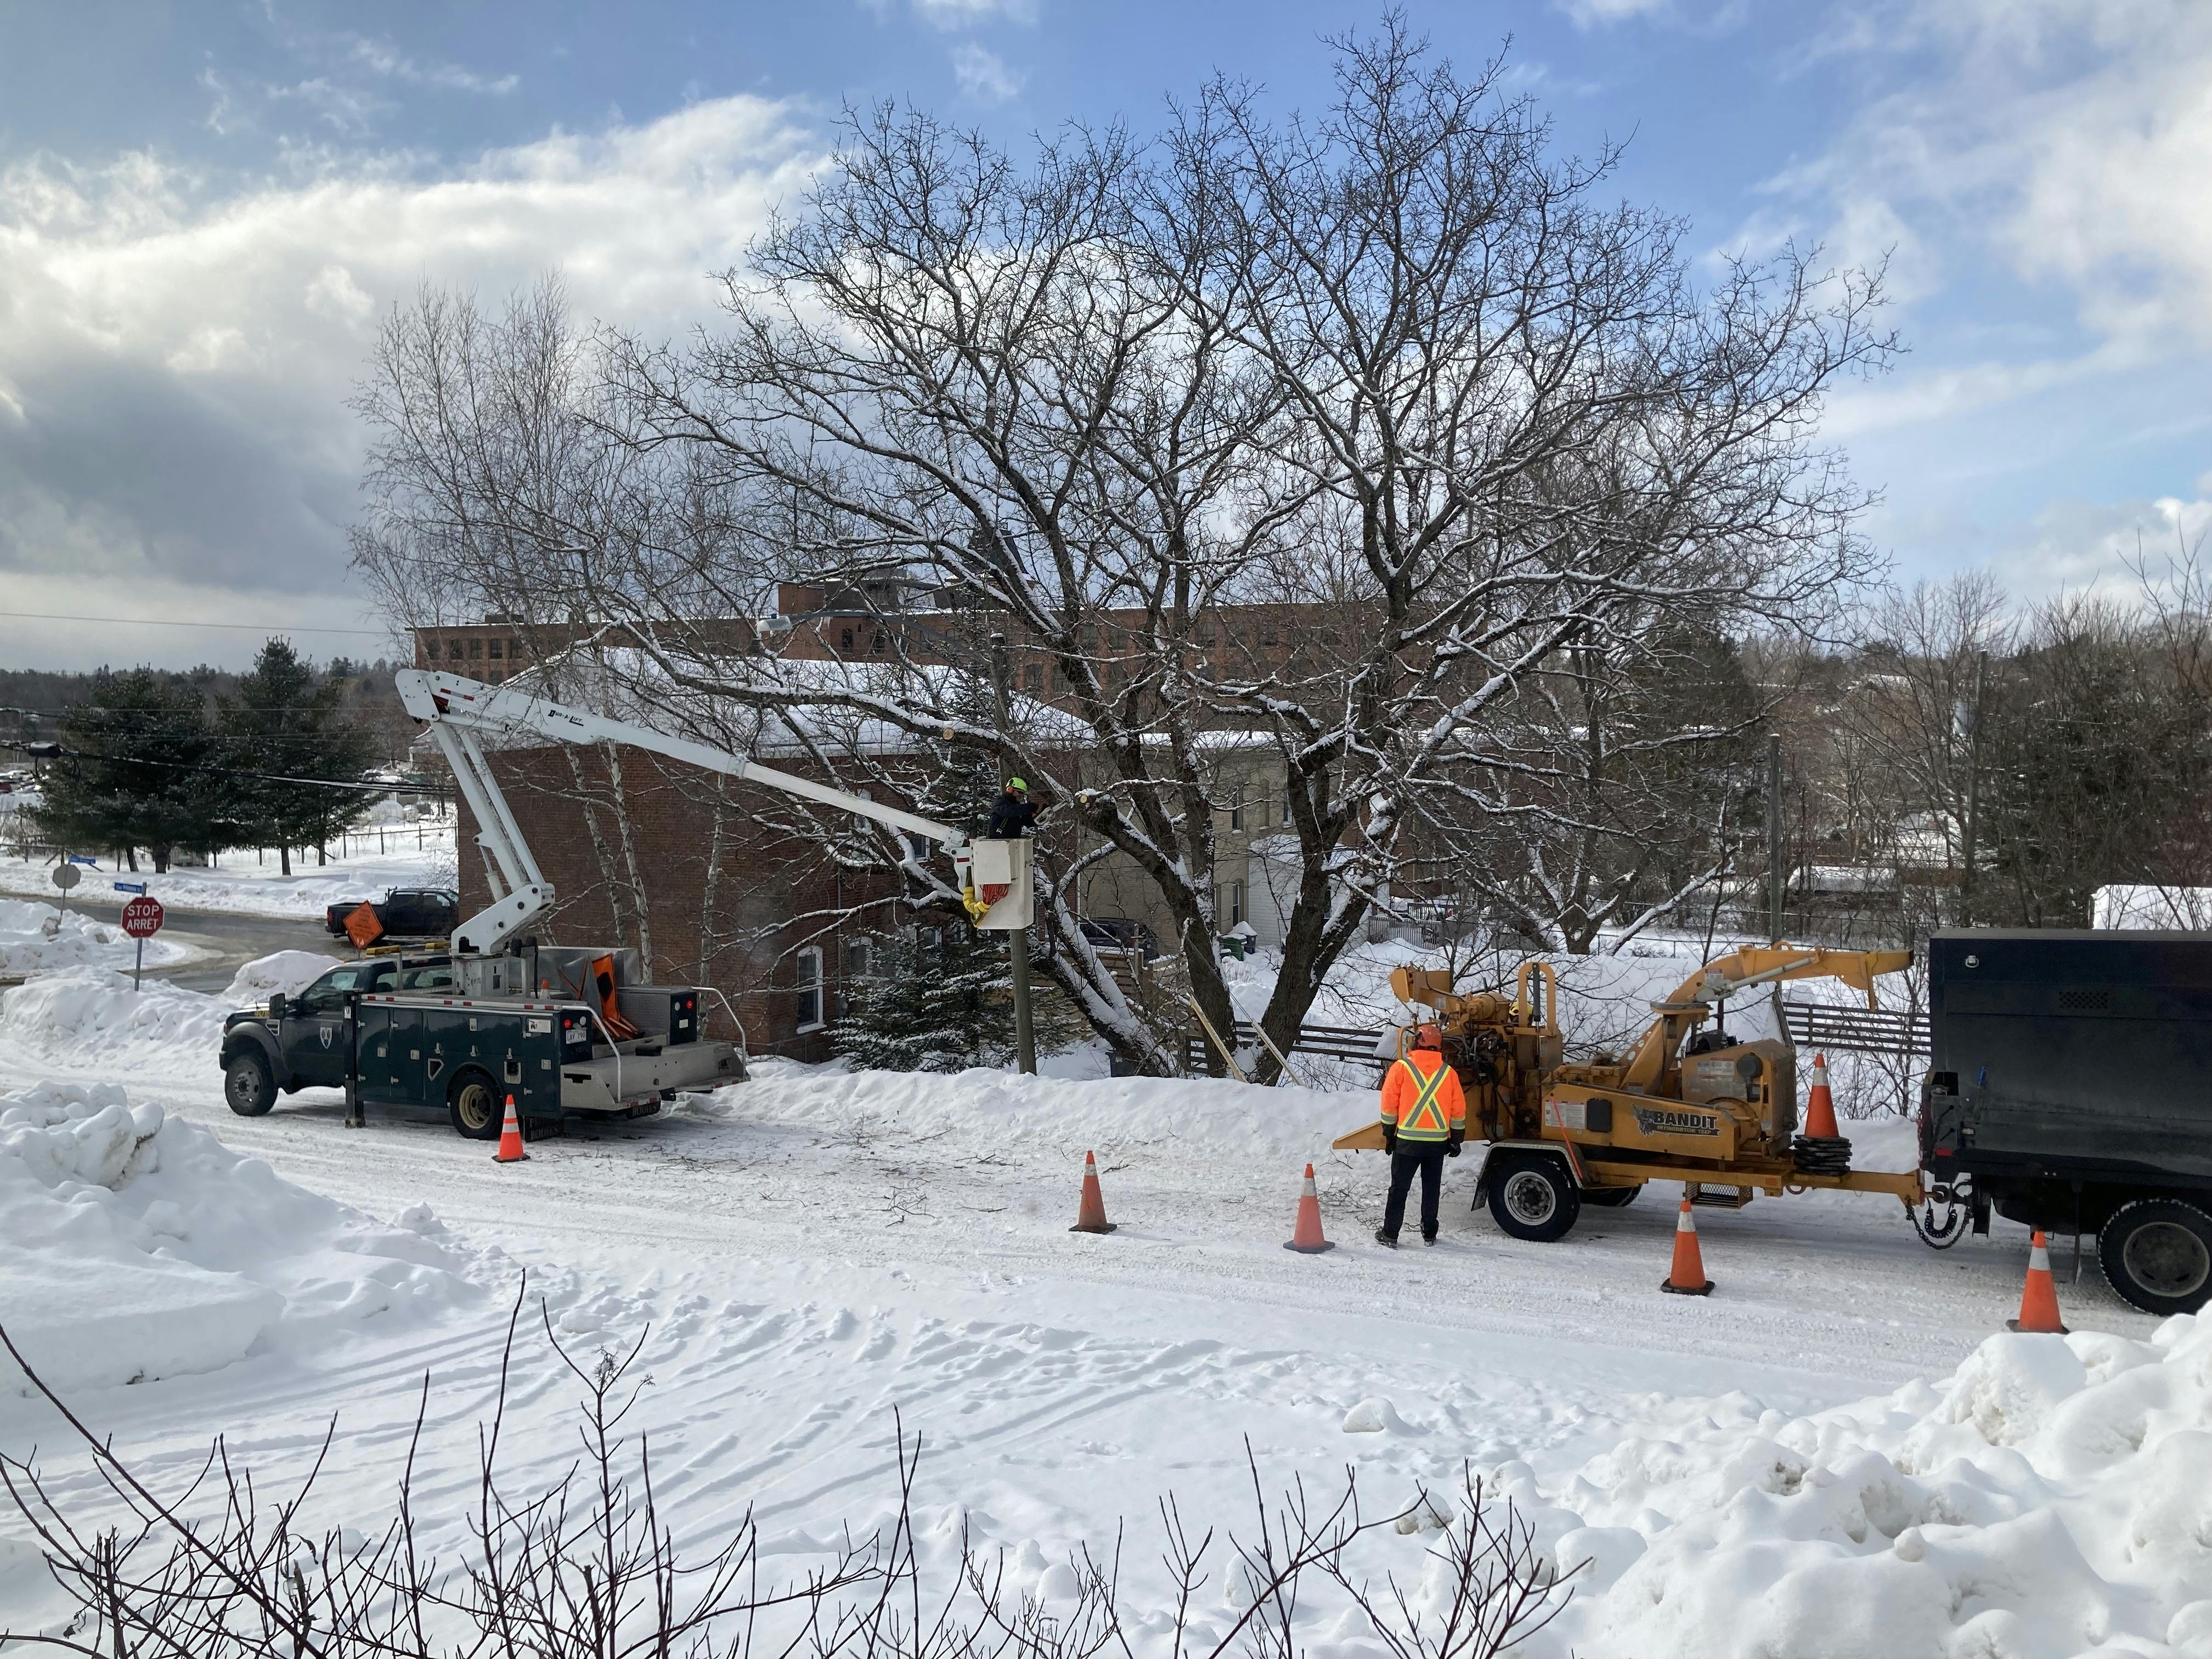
475,1107
2157,1253
1533,1198
247,1085
1611,1198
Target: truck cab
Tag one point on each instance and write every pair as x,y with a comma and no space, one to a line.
299,1042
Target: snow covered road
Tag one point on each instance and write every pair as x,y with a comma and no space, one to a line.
811,1251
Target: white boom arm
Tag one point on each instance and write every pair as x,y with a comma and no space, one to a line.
457,709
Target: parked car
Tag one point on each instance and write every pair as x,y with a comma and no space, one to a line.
1119,933
404,912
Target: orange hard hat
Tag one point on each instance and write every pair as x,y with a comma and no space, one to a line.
1428,1037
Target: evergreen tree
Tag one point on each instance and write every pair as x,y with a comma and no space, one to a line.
140,773
284,720
935,1002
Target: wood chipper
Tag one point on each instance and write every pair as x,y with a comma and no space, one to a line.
1686,1104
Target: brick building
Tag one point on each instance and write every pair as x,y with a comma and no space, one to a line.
772,924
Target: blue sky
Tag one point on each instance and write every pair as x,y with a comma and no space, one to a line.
204,208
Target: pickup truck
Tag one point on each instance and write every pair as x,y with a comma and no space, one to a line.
405,913
467,1034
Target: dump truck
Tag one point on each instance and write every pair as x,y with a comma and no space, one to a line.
1689,1102
2067,1091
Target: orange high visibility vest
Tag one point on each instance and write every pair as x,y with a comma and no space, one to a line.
1421,1103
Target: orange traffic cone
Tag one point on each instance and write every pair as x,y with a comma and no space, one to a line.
510,1138
1090,1217
1689,1277
2039,1298
1820,1105
1306,1236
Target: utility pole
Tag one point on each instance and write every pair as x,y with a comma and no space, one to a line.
1775,882
1972,832
1018,940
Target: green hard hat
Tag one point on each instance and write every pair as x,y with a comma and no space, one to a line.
1018,783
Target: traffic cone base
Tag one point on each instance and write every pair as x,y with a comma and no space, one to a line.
1305,1233
510,1138
1820,1105
2039,1297
1091,1214
1687,1277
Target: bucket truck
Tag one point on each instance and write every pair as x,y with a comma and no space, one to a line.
568,1030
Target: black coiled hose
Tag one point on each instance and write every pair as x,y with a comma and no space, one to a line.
1821,1154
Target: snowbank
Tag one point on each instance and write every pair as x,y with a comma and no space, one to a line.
2053,1497
89,1018
25,948
1099,1113
285,970
139,1246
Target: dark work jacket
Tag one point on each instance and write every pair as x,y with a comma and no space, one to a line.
1010,816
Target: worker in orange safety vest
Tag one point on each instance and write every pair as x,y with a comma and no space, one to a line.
1424,1123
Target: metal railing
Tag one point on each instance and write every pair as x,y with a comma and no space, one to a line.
1855,1030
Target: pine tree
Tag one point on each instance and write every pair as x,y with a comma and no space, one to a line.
934,1002
283,721
139,773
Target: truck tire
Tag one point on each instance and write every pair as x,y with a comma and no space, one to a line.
474,1105
246,1084
2157,1253
1612,1197
1534,1197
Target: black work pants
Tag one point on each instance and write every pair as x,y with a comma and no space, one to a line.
1427,1160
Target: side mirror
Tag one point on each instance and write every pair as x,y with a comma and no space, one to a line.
276,1005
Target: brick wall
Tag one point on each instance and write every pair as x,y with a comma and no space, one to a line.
775,895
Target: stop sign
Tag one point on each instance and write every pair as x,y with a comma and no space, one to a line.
142,917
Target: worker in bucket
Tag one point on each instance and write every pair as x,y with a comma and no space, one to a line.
1012,815
1423,1121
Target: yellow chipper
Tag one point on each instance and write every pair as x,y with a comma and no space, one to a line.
1686,1104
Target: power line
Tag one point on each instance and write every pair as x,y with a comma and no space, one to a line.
168,622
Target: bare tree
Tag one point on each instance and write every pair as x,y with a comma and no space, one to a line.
1124,403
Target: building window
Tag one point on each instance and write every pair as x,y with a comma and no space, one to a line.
859,953
496,650
809,1001
1033,676
845,639
514,650
1235,904
1287,808
476,649
430,651
878,643
1236,815
497,676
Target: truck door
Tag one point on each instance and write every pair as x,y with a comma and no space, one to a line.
314,1035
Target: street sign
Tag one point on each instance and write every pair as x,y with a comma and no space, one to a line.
66,876
142,920
129,886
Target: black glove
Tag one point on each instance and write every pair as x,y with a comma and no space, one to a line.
1451,1147
1390,1139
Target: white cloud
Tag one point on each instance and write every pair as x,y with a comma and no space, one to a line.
983,75
2069,139
966,14
384,59
177,361
1596,14
2078,546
